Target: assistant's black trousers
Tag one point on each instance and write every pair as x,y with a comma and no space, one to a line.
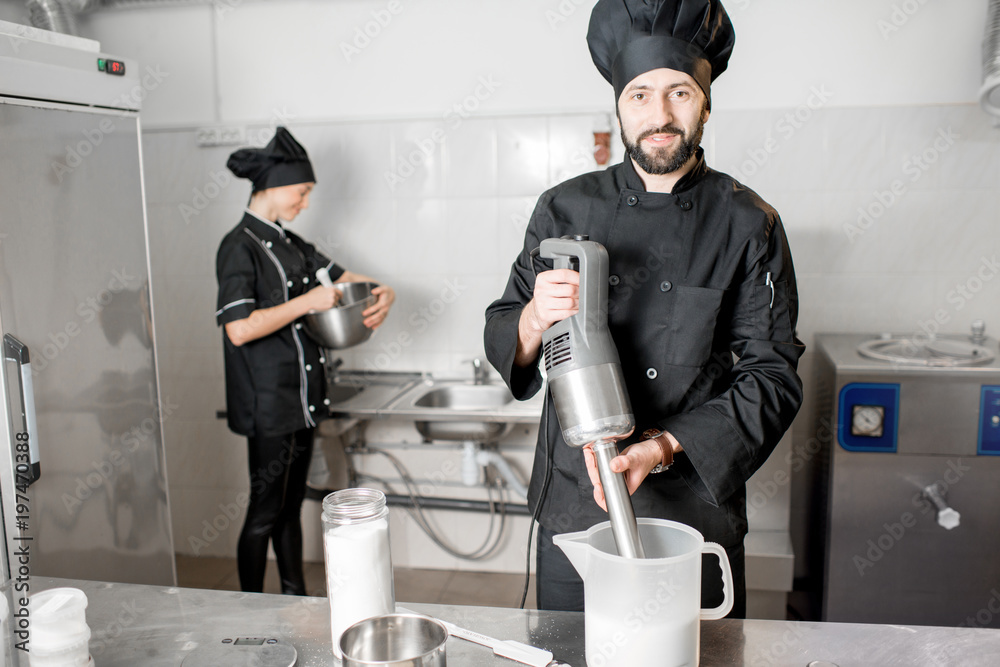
279,467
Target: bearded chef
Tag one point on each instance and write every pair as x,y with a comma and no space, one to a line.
702,303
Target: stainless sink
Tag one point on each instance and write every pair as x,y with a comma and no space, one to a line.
454,398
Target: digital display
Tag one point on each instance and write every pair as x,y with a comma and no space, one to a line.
115,67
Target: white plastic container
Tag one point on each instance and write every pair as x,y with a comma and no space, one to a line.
644,611
59,634
358,564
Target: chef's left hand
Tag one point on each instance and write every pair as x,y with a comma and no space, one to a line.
375,314
635,461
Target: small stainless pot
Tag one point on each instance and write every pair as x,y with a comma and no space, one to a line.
343,325
395,640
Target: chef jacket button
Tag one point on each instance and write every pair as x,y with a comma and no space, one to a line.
287,240
665,286
309,367
651,373
614,280
326,401
305,280
685,206
268,244
298,325
632,200
312,408
290,283
322,360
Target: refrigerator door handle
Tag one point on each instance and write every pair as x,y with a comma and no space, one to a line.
29,473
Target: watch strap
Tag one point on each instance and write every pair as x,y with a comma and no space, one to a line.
666,450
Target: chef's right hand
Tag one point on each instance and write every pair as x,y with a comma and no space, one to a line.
322,298
556,297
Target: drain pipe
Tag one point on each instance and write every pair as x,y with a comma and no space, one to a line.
475,457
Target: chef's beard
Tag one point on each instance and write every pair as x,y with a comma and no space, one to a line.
666,160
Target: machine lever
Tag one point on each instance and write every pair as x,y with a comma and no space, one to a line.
947,518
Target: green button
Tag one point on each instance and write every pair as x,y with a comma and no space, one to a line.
100,64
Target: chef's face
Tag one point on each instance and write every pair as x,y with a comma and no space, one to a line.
288,200
662,114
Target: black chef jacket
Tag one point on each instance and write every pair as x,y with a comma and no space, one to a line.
275,384
696,277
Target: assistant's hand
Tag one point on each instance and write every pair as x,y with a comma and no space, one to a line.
556,297
635,461
322,298
376,313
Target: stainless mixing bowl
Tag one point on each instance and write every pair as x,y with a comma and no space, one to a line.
395,640
343,325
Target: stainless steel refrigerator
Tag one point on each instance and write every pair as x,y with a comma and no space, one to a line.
88,497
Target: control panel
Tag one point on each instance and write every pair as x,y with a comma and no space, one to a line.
868,417
989,421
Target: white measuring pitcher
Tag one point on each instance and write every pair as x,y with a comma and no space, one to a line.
645,612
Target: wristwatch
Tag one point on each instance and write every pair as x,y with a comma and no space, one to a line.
667,451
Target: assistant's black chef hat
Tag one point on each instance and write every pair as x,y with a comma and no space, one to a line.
631,37
281,162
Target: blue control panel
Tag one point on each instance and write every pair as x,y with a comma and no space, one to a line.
868,417
989,421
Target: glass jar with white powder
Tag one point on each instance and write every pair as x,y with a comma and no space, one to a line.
358,565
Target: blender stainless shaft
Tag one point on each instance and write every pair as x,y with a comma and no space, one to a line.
616,496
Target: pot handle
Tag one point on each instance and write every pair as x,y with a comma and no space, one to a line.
727,584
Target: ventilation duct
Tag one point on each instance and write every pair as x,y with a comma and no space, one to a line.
989,96
52,15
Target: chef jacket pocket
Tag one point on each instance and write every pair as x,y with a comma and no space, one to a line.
693,317
772,311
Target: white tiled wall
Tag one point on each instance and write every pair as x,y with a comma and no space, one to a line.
445,237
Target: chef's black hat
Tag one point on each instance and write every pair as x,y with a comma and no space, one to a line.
631,37
281,162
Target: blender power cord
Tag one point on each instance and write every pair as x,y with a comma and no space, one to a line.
490,544
544,426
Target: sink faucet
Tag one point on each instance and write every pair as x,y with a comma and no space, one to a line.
480,374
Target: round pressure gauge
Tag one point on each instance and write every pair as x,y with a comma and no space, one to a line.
868,421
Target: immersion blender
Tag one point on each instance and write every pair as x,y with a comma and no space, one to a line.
586,381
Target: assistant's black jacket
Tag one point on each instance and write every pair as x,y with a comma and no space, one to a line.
696,276
275,384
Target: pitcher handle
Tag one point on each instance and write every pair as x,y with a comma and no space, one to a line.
727,584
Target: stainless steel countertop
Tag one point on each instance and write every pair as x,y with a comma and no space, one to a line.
152,626
393,396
